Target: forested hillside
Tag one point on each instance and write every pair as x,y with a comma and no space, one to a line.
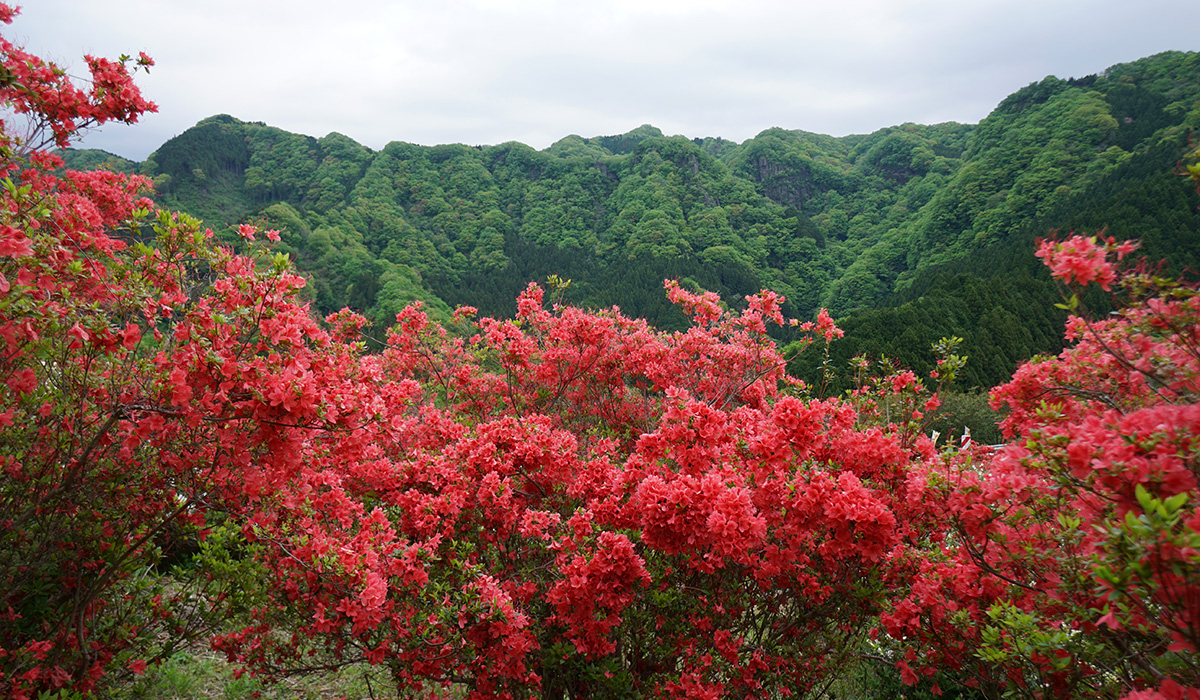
908,234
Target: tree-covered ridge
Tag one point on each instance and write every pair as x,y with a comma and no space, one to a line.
451,217
1138,196
850,223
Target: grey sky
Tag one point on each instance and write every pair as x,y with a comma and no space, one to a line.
478,72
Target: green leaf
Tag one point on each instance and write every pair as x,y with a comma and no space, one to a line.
1145,500
1174,503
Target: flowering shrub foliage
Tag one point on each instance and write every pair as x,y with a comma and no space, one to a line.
562,500
55,107
568,502
95,472
1073,568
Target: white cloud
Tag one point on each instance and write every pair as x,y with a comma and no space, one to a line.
489,71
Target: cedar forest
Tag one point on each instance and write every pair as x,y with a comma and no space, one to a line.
381,413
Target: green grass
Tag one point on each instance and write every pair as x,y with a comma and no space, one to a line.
197,675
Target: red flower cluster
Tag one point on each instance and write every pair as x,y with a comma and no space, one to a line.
57,108
1083,259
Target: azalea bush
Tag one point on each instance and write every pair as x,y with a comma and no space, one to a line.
1073,564
91,491
563,500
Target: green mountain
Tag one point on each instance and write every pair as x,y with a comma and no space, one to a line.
907,234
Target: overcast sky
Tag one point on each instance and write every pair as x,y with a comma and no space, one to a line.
457,71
